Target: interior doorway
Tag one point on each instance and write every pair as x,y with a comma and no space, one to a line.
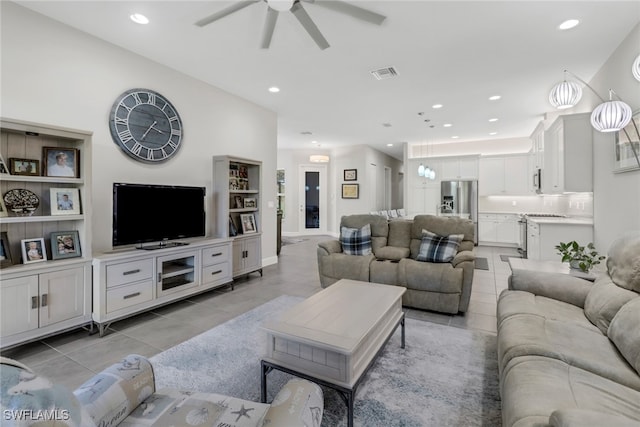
312,199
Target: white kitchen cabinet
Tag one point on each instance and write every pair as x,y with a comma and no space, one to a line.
463,167
503,175
498,229
568,155
537,146
543,236
246,255
533,240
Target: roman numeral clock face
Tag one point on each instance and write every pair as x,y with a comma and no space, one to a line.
145,125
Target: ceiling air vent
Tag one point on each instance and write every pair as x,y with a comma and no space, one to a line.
384,73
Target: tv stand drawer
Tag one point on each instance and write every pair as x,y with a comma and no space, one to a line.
129,272
128,295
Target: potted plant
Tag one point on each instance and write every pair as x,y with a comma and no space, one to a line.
579,257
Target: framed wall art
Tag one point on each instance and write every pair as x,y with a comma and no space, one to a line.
33,250
65,201
5,251
626,141
65,244
28,167
3,208
350,191
248,223
351,174
233,231
61,162
249,202
3,166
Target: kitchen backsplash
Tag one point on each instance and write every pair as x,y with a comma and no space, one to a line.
575,204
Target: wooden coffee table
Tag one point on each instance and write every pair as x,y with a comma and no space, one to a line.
334,336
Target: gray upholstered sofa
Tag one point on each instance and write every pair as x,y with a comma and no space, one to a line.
124,395
569,349
444,287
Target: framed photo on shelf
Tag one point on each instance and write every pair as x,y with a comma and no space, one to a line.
233,231
350,191
249,202
625,159
65,201
3,208
351,174
65,244
29,167
238,202
61,162
5,251
3,166
33,250
248,223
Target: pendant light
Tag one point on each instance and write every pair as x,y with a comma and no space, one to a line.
635,68
611,116
565,94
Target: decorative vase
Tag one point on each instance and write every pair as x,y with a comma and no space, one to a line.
575,264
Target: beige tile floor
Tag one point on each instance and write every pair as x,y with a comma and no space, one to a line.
73,357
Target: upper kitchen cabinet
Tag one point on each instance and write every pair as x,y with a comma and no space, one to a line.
568,155
462,167
503,175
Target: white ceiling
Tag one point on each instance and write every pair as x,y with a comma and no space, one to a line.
450,52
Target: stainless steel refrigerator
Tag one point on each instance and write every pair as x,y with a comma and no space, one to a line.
460,198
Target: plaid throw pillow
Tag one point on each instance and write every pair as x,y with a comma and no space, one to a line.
436,248
356,241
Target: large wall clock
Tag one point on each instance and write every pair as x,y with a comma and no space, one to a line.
145,125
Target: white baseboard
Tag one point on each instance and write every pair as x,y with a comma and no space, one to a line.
269,261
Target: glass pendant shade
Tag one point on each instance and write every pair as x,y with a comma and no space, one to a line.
635,69
432,174
421,170
611,116
565,95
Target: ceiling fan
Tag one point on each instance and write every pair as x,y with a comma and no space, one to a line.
274,7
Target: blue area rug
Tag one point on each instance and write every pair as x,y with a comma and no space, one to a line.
445,376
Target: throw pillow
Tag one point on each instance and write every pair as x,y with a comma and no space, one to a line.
604,300
434,248
356,241
625,334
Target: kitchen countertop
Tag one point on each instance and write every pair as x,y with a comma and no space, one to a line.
562,220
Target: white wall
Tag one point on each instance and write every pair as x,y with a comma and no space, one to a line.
53,74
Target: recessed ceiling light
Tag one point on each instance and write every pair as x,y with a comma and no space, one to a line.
447,125
493,133
494,97
568,24
389,145
436,106
455,137
493,120
139,18
314,142
274,89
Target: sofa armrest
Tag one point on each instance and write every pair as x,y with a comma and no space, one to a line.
298,404
111,395
330,246
582,417
558,286
463,256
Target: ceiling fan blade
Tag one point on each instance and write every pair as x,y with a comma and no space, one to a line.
226,11
352,10
269,26
305,20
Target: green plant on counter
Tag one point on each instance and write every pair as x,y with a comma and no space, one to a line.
582,257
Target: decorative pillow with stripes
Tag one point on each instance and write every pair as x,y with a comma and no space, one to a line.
436,248
356,241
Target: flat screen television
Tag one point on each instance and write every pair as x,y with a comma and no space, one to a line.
144,213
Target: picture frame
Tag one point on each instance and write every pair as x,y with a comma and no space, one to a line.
28,167
248,223
351,174
65,244
4,170
3,208
65,201
5,251
238,202
350,191
61,162
624,159
233,230
33,250
249,202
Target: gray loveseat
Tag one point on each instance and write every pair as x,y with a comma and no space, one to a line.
125,395
569,349
443,287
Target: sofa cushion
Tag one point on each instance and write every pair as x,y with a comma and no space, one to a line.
400,233
604,300
356,241
623,262
586,417
442,226
624,331
435,248
379,227
392,252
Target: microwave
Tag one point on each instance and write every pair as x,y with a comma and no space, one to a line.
537,181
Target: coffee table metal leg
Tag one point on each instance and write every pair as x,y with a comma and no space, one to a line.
263,381
402,330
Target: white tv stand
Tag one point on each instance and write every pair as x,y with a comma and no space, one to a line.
132,281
